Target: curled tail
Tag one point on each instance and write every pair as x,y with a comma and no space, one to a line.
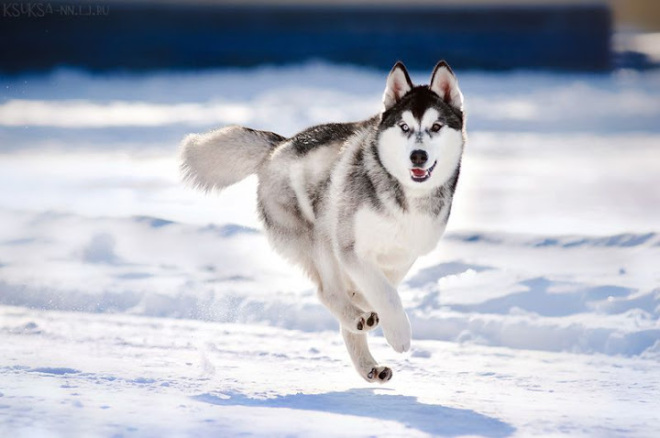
223,157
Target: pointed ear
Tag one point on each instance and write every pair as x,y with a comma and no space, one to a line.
398,84
445,85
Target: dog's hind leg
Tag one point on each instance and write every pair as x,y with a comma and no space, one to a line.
365,364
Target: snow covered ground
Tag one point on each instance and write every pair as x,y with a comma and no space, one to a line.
133,306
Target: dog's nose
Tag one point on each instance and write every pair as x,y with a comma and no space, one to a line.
419,157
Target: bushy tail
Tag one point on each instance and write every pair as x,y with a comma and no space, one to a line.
223,157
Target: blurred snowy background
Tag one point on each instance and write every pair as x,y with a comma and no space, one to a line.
131,305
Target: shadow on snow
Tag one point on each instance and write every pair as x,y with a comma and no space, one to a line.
433,419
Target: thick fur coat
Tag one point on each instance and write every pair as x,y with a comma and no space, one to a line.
353,204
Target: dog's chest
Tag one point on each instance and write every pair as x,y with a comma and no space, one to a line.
395,240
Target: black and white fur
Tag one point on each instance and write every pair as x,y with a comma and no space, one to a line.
354,204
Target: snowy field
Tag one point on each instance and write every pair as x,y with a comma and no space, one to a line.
133,306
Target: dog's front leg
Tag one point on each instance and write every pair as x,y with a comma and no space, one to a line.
364,362
382,296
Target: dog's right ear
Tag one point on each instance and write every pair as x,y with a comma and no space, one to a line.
398,84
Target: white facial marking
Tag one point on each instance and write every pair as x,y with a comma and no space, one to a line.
443,148
429,118
410,120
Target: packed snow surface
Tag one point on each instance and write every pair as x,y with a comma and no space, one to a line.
131,305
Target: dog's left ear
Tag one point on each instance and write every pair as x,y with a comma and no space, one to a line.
445,85
398,84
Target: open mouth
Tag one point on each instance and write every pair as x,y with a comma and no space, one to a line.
419,174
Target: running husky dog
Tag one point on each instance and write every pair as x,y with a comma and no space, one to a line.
354,204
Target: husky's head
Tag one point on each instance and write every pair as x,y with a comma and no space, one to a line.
420,139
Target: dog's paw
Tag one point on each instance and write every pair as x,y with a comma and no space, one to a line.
398,332
367,322
379,374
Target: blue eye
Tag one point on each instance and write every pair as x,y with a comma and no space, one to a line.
404,127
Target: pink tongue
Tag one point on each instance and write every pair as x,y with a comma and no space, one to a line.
418,172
